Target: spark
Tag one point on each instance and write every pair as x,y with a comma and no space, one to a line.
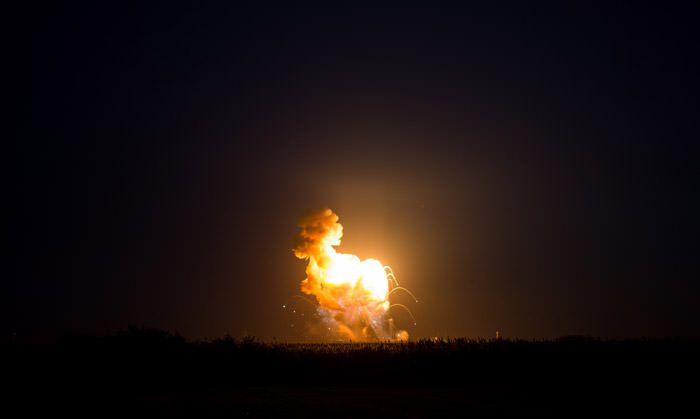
405,290
407,310
390,274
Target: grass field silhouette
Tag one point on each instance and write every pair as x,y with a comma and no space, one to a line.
158,373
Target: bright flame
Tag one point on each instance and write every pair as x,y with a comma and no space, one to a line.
353,295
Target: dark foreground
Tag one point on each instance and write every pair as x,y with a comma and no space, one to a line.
149,372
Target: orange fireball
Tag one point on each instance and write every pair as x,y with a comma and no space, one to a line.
353,294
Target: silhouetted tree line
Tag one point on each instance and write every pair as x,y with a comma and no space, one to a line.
570,371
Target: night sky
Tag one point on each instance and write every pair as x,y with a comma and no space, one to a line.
523,169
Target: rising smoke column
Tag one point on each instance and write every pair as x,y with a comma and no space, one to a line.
352,294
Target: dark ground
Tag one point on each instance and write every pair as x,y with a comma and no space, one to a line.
154,373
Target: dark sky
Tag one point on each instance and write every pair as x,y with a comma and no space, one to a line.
530,170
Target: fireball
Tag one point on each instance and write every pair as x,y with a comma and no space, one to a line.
352,294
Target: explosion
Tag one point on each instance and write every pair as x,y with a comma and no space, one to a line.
352,294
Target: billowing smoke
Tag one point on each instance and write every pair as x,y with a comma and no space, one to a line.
352,294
